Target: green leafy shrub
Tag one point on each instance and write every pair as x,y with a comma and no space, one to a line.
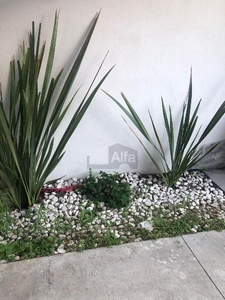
107,188
183,152
32,114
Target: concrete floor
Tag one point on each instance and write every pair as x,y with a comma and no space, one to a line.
189,267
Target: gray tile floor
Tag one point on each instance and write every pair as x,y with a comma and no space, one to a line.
189,267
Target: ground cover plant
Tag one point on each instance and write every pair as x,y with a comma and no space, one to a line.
72,222
183,145
107,188
31,115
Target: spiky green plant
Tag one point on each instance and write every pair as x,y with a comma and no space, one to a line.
183,146
34,113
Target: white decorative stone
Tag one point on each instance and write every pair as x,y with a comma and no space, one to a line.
61,251
147,224
117,235
51,207
64,208
148,202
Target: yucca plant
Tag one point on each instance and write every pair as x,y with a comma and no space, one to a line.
183,145
32,114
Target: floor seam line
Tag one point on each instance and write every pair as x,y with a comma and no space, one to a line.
202,267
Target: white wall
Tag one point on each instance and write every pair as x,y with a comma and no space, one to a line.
153,44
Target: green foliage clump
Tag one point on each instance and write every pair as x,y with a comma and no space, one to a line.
183,143
26,248
5,218
32,114
107,188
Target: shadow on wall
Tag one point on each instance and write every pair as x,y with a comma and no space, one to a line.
215,159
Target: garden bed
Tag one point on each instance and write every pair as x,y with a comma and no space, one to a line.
65,222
